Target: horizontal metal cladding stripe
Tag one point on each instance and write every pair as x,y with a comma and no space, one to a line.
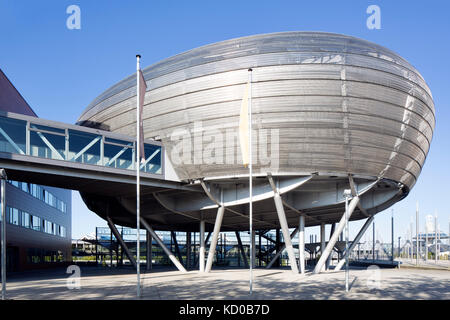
287,71
301,122
181,103
306,132
272,59
296,120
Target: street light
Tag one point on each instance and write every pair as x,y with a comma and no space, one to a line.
347,196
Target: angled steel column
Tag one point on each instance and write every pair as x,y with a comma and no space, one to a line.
301,244
333,226
352,246
280,250
241,249
335,235
215,236
149,251
285,230
116,233
177,248
201,258
3,236
163,246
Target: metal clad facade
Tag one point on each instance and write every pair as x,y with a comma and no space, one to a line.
340,104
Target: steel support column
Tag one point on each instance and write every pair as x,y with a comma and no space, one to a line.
335,235
201,257
177,248
285,230
260,251
301,244
277,245
357,238
149,251
333,227
241,250
280,250
188,250
253,236
163,246
116,233
215,236
322,241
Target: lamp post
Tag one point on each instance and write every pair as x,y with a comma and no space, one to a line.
347,195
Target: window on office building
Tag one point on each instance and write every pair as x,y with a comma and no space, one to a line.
36,223
13,215
26,219
62,231
48,226
25,187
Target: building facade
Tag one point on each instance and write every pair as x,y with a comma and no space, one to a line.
39,218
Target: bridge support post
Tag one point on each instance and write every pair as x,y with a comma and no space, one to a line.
116,233
352,246
215,236
301,244
163,246
335,235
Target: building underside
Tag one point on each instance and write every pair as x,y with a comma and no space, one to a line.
314,197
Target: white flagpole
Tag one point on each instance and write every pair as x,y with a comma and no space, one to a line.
250,182
138,182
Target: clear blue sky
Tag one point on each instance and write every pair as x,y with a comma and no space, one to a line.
60,71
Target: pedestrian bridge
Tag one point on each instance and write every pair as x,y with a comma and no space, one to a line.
76,157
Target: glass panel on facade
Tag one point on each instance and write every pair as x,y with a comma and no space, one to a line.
46,145
12,135
154,164
84,147
118,156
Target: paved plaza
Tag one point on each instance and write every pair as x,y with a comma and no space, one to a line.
105,283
